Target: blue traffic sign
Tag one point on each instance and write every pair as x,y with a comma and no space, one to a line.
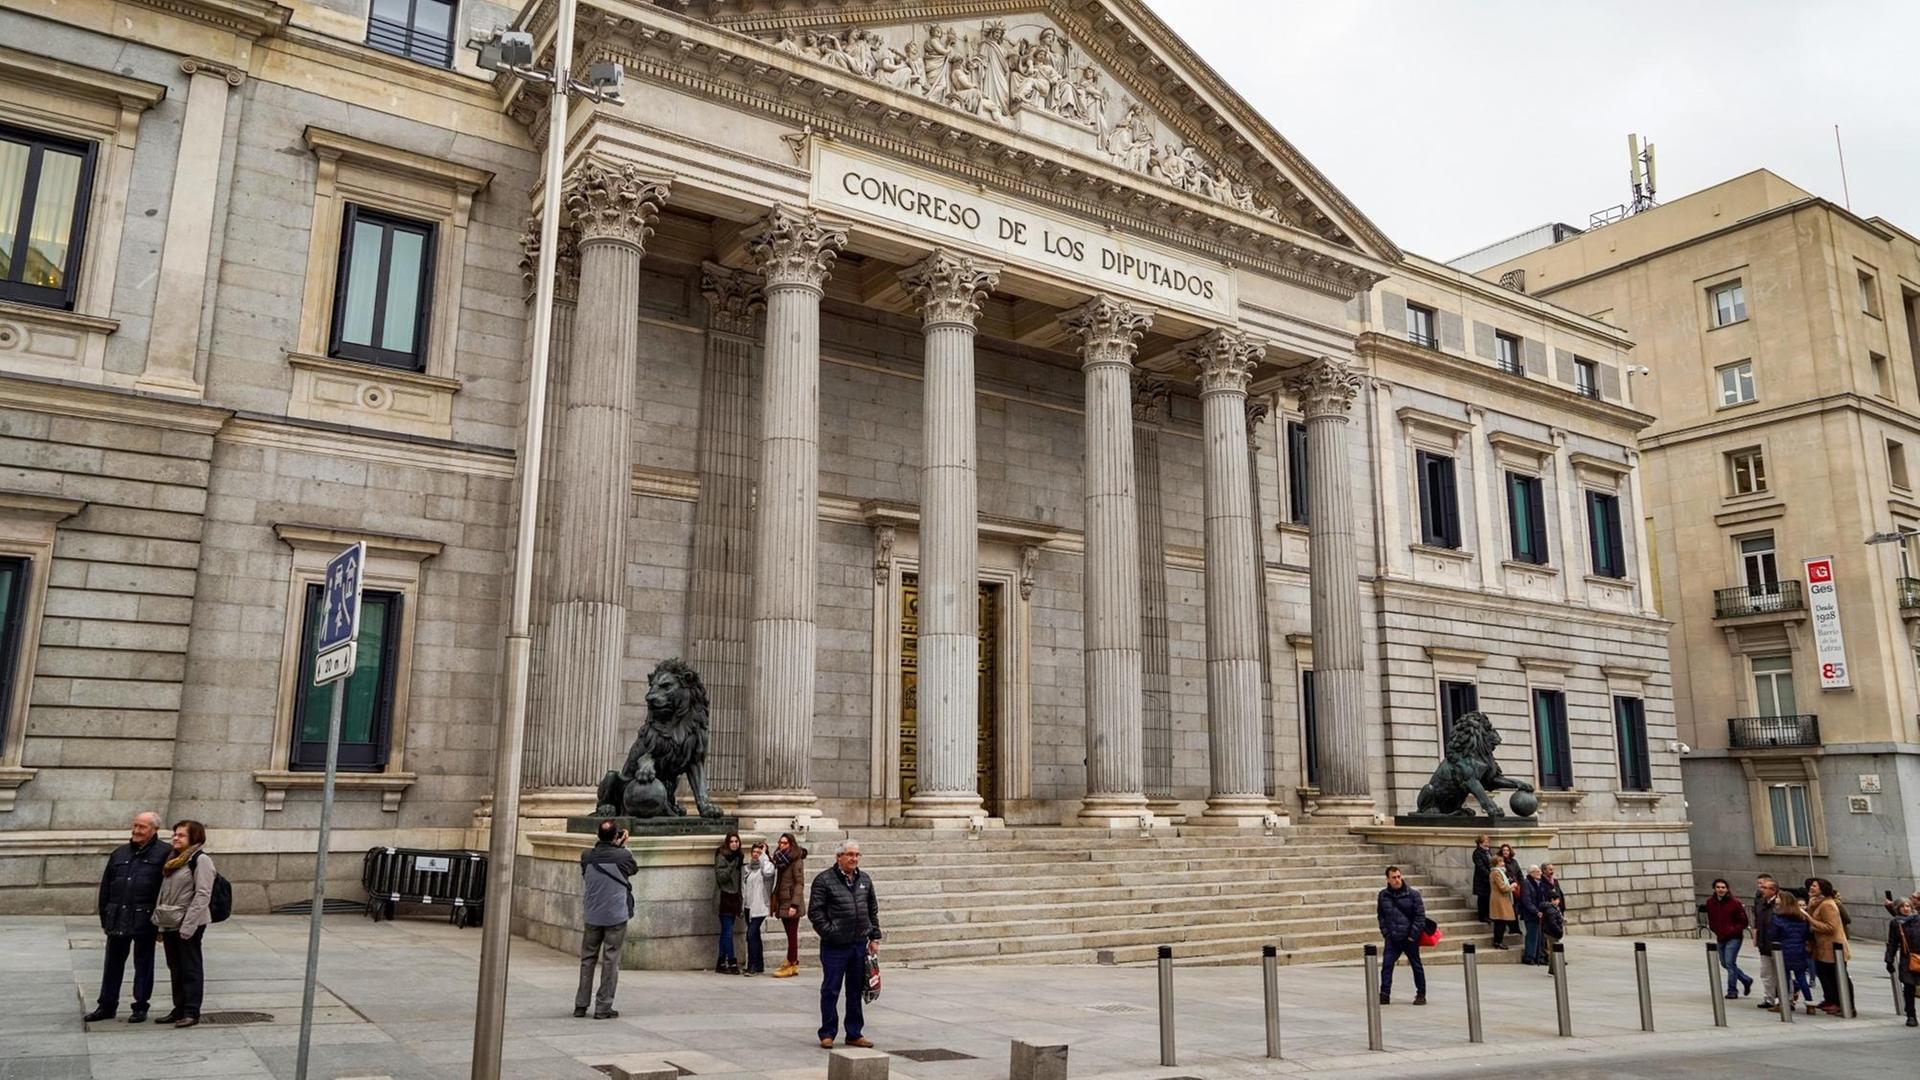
340,599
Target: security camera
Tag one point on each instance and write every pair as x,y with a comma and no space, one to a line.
1678,747
1641,369
503,49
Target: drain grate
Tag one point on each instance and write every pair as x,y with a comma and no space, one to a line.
1115,1007
932,1054
233,1017
608,1069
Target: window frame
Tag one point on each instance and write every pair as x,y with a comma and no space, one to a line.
1437,477
1869,292
38,142
1742,372
1737,309
1420,313
1586,378
1518,366
1551,736
382,723
1766,560
1882,373
1452,694
1799,819
1898,476
1630,743
1775,677
13,620
1297,491
1757,471
414,359
1612,561
1536,524
407,50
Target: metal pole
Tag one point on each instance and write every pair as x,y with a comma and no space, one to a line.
1786,988
1470,963
1370,971
1646,985
1270,983
1899,1002
1165,955
1845,988
1713,985
490,1004
319,880
1558,958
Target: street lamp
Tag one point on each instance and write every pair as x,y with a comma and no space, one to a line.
511,53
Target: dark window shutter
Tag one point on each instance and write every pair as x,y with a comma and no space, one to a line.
1309,730
1297,472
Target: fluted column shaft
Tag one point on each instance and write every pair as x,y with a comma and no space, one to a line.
612,207
795,253
547,733
1326,390
1236,734
1150,395
1116,782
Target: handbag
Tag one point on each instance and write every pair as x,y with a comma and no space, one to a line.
1913,958
871,992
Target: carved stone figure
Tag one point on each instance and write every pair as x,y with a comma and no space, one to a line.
1468,769
673,744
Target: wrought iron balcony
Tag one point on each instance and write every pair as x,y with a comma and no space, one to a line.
1760,732
1771,599
1587,391
1909,590
1425,341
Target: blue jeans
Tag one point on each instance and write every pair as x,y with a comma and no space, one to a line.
842,966
726,936
1802,985
1531,952
1394,951
1729,959
756,960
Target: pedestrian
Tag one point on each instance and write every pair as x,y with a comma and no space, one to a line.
1790,934
128,889
1828,920
789,889
1550,878
1766,899
606,906
1512,862
726,877
1903,952
1500,904
1727,919
182,911
1529,898
756,892
1482,863
845,911
1403,918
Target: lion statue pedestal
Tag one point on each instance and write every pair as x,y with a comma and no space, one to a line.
1469,771
643,793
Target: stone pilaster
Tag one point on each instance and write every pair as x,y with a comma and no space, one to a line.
949,289
1150,394
1326,389
795,251
545,731
722,580
1109,330
1258,409
1236,741
612,207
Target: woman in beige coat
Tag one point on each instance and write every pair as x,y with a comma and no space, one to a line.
1829,937
183,911
1500,903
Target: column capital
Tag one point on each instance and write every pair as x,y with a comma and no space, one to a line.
613,202
1109,330
796,248
733,298
1226,359
566,261
950,287
1258,409
1150,393
1326,388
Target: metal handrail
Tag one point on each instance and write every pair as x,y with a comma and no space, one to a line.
1425,341
1781,596
1756,732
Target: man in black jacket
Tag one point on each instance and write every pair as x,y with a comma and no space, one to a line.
1765,901
1403,918
845,912
1482,885
128,890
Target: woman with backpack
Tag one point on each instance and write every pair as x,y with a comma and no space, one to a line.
183,911
1903,953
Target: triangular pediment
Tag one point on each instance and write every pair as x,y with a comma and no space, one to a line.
1104,79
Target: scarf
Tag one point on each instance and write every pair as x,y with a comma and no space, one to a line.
182,858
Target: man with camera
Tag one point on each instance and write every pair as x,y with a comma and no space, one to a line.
606,904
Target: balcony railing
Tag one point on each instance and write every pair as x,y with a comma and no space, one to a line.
1909,590
1425,341
1758,600
1587,391
1759,732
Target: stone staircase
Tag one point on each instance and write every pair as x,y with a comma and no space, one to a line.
1081,896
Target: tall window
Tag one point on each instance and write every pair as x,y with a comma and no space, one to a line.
1309,731
1630,736
1604,539
1736,383
1869,294
1759,565
366,719
1550,739
1296,472
1882,375
416,29
1773,686
1439,503
1527,518
1748,471
380,306
1457,699
1586,378
1420,326
1787,806
44,186
1729,303
1897,464
13,606
1506,351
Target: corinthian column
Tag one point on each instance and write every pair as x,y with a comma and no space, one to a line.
1109,330
795,252
1236,736
1326,389
949,288
547,733
612,207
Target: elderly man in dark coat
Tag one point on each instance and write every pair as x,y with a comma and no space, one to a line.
128,889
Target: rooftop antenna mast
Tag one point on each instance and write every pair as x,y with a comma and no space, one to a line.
1642,175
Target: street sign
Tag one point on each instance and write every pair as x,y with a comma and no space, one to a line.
334,651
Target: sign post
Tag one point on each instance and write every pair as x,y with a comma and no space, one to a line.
333,662
1830,647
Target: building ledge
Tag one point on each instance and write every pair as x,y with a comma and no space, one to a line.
12,778
1570,798
1645,800
277,782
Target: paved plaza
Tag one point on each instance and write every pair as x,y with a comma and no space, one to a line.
397,1001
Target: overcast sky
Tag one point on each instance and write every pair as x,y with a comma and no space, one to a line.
1455,123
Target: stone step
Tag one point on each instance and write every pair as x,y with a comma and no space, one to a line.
1080,867
1035,908
1285,919
893,842
1281,879
1096,856
1196,939
1360,891
1229,951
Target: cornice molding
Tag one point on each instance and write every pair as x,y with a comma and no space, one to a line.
79,80
329,538
1378,347
246,18
464,179
102,403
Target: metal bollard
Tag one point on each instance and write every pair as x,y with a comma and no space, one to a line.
1646,985
1558,958
1270,981
1899,1002
1786,988
1713,986
1166,1004
1846,985
1470,963
1370,970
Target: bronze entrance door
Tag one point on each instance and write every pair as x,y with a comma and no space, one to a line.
989,674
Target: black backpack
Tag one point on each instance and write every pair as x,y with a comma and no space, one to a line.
220,904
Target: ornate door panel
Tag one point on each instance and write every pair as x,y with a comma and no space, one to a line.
989,708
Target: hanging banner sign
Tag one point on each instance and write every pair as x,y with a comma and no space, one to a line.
1823,603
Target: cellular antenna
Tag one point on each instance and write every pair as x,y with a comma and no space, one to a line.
1640,180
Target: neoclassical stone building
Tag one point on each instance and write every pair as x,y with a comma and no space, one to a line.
1002,416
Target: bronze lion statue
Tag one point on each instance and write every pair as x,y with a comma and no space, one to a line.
673,744
1468,769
